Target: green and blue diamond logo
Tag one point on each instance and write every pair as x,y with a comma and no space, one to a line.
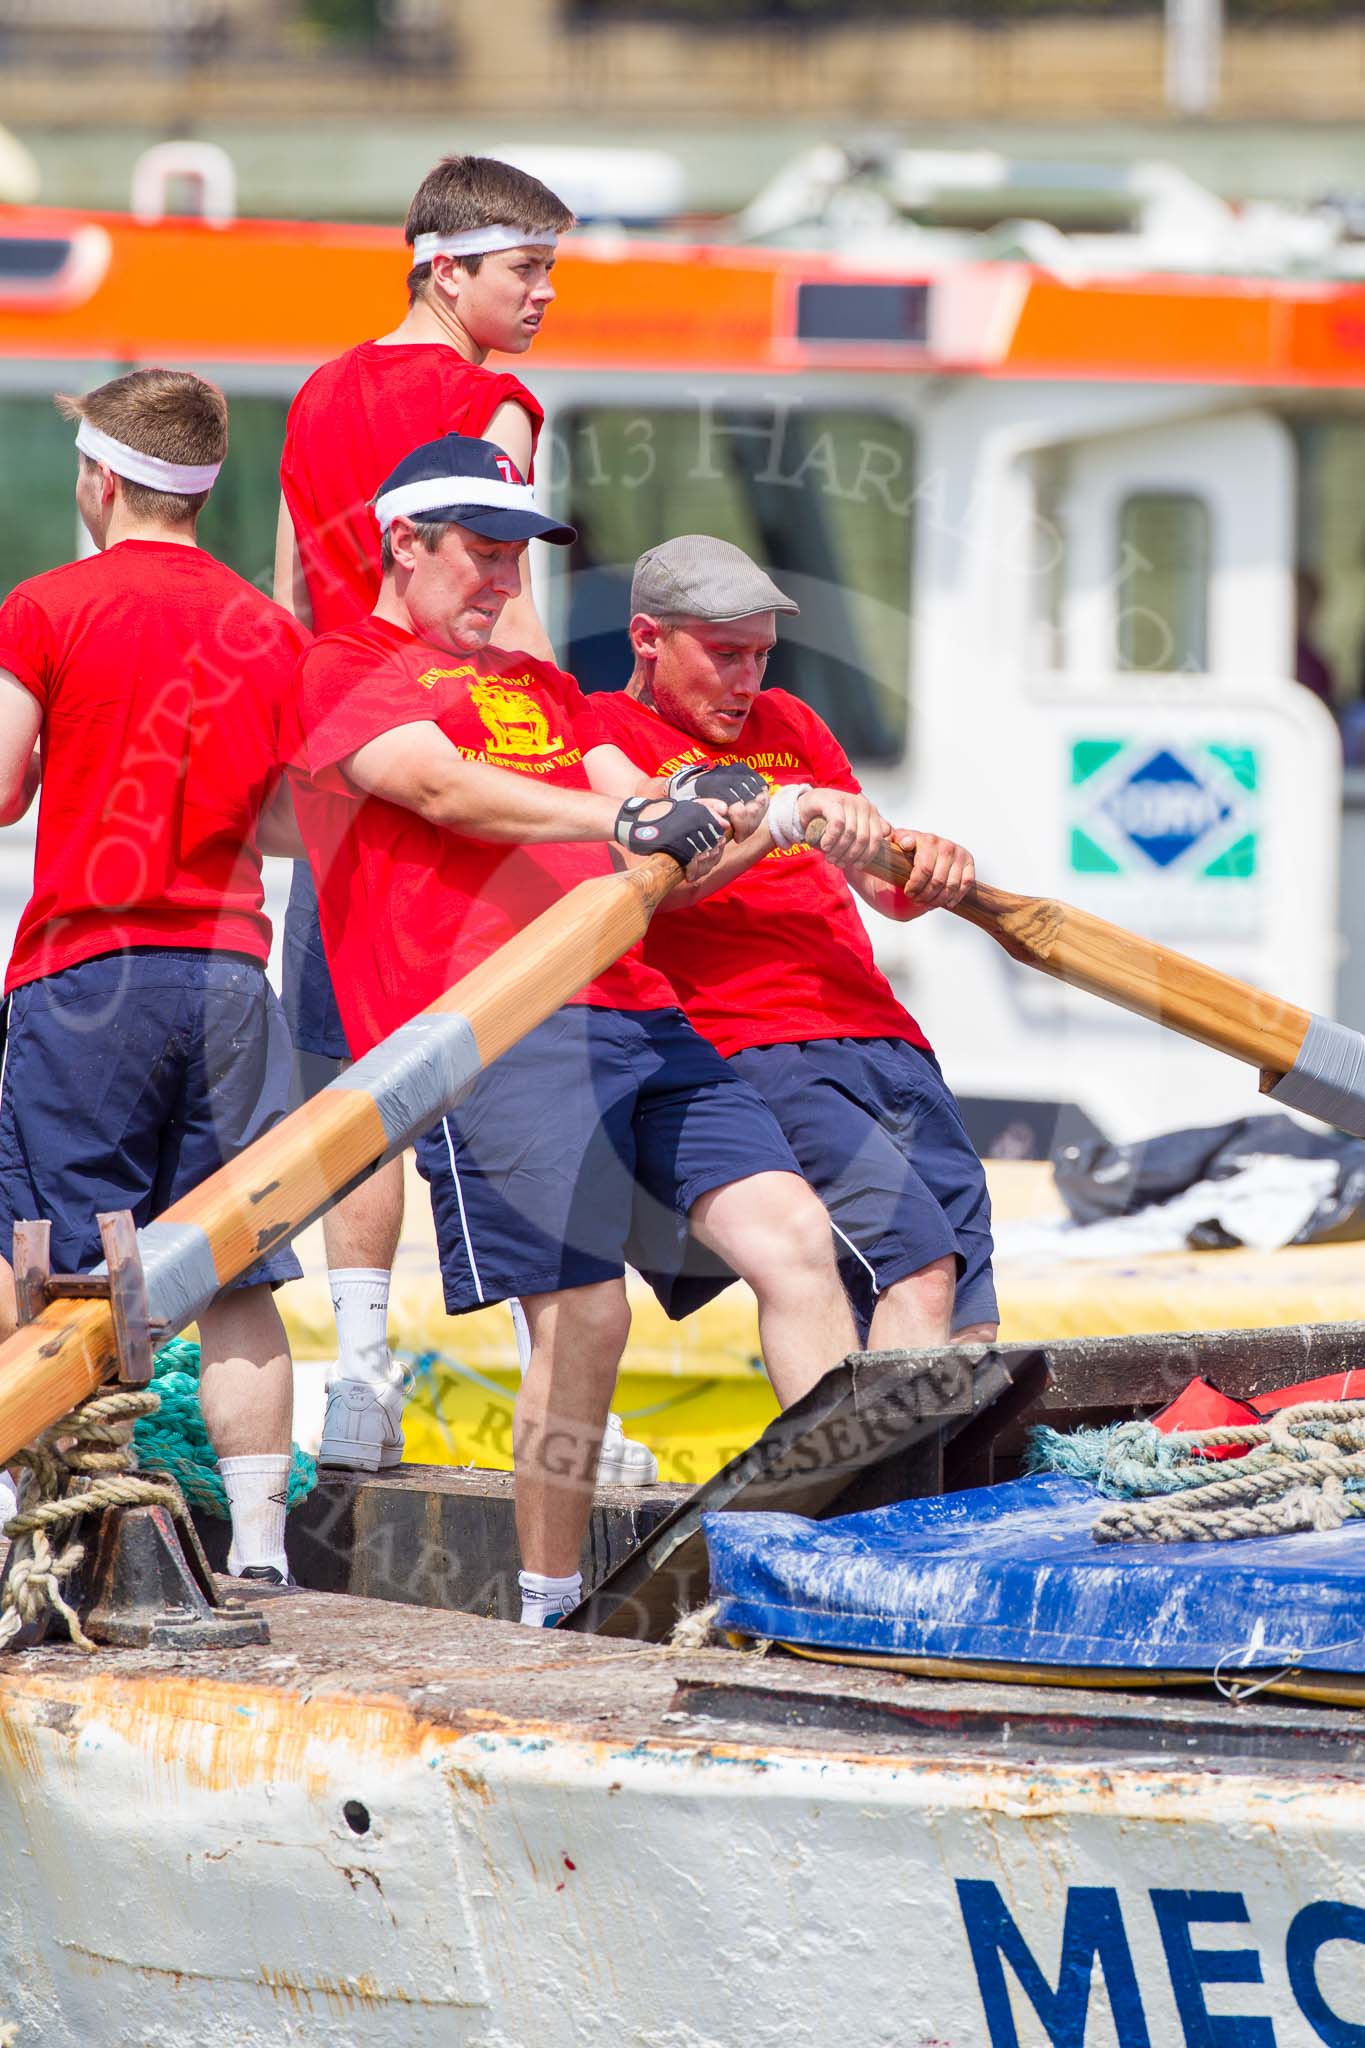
1164,807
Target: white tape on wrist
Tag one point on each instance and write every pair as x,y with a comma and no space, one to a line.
784,814
1327,1080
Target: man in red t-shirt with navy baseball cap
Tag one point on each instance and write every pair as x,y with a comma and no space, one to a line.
443,790
483,237
144,1047
775,965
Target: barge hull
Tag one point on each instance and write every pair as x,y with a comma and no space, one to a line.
396,1826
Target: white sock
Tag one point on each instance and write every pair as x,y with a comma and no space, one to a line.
544,1599
360,1302
522,1331
257,1491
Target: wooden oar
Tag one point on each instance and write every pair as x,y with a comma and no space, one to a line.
276,1187
1133,972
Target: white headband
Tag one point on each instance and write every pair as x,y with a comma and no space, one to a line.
481,242
185,479
437,493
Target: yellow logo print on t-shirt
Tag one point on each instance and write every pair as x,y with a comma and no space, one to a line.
515,721
430,677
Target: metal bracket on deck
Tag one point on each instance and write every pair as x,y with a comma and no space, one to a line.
144,1582
123,1286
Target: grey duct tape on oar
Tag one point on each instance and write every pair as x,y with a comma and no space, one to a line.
1327,1080
416,1074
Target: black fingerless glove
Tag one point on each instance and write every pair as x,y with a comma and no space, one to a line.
730,783
682,830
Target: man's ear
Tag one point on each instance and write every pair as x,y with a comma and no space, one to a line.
402,541
449,273
645,635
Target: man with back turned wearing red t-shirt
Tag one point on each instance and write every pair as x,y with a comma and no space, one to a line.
483,238
775,965
144,1047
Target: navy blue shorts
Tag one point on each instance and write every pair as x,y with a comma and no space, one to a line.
310,1004
881,1140
583,1149
128,1080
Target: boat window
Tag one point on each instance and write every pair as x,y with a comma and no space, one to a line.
39,526
238,523
1163,583
38,506
1330,559
821,497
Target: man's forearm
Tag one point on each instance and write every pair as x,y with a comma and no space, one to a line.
13,811
499,805
738,857
290,584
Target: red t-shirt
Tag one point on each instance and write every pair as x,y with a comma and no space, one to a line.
435,903
350,425
162,677
781,953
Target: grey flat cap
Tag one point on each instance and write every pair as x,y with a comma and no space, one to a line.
698,577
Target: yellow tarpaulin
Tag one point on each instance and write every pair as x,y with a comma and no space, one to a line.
695,1391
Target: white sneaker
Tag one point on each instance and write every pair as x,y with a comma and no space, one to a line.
624,1462
363,1427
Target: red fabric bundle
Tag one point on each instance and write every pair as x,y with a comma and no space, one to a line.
1203,1406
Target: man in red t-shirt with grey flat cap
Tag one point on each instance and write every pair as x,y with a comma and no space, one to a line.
770,954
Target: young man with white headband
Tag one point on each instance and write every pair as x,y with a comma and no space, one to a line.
775,966
144,1047
483,238
444,786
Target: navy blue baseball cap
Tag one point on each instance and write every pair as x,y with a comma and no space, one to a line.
470,483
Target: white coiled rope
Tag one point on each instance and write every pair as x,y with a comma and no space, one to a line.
79,1465
1304,1469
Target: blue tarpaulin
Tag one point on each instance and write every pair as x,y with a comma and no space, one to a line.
1011,1574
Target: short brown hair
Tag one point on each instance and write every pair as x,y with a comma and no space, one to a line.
465,192
428,533
167,413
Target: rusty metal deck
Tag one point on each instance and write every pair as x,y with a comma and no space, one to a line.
463,1674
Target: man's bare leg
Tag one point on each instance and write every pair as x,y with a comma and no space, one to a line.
246,1390
9,1304
916,1313
9,1323
364,1228
774,1231
577,1338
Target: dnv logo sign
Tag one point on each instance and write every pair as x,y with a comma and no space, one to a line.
1187,809
1164,808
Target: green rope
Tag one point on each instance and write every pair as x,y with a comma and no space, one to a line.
174,1440
1134,1461
1125,1460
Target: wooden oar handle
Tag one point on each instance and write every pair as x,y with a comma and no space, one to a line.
1121,967
982,905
